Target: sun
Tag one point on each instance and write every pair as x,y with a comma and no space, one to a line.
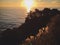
28,4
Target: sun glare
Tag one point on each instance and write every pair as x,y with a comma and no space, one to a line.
28,4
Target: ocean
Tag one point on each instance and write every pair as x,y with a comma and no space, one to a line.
11,18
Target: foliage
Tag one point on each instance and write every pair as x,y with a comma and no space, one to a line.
33,22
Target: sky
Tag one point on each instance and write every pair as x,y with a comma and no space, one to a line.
39,3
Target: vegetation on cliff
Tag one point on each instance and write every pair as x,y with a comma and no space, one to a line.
42,25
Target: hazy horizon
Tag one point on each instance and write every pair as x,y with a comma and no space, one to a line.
37,3
14,11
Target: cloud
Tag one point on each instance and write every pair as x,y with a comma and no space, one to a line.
48,1
51,4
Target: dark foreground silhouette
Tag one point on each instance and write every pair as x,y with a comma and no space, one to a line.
33,22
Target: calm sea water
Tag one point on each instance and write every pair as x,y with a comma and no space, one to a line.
11,17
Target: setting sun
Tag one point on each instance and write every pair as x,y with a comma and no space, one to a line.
28,4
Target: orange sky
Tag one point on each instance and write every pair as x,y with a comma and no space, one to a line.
5,4
38,4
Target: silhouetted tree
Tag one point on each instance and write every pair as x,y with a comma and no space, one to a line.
34,21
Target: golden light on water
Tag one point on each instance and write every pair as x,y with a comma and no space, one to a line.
28,4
